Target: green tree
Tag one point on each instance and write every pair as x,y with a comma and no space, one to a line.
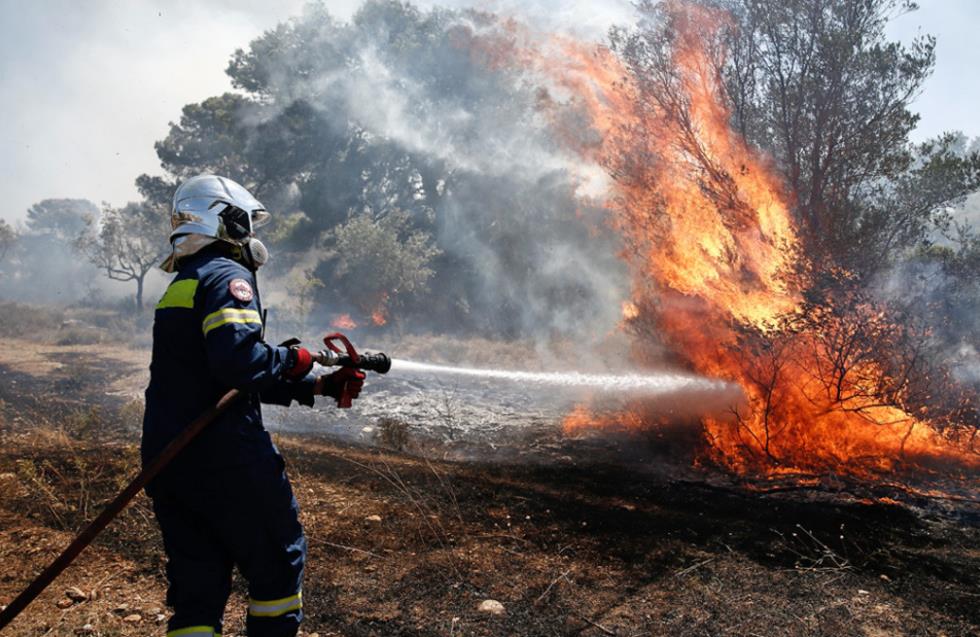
377,264
213,137
8,237
400,109
62,219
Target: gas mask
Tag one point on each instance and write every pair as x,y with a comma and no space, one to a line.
253,253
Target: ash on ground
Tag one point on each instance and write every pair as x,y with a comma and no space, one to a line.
469,419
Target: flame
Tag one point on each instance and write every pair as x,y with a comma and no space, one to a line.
582,419
344,322
630,310
379,316
717,261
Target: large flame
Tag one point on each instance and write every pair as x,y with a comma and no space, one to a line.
715,255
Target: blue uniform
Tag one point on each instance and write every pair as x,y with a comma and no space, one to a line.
225,500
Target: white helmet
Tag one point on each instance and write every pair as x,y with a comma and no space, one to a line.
209,208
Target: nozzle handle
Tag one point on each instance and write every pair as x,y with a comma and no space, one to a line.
344,401
329,339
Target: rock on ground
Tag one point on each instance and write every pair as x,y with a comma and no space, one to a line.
491,607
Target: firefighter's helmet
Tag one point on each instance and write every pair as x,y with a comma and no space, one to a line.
216,207
209,208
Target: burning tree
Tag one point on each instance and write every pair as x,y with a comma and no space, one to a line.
759,266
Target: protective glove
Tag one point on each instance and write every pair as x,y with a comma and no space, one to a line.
299,361
344,385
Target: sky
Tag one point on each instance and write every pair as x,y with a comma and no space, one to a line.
89,85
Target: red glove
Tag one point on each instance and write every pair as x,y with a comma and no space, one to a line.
299,362
344,385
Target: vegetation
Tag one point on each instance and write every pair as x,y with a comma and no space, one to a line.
384,132
8,236
128,243
379,262
403,545
64,219
39,260
413,179
817,86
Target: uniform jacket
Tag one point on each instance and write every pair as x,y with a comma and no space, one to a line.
207,339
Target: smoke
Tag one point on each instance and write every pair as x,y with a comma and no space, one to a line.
937,288
504,182
524,250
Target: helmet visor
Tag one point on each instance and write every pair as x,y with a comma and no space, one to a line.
260,218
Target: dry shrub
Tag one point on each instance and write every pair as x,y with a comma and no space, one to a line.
81,335
392,433
9,486
27,320
64,482
130,415
83,424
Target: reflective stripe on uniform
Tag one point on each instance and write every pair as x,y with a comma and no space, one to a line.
194,631
179,294
276,607
229,315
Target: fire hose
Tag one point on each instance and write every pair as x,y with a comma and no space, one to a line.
333,356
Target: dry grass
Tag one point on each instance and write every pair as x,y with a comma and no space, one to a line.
401,545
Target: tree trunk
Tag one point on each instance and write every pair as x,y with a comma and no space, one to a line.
139,292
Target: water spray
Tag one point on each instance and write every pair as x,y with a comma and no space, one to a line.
634,383
650,384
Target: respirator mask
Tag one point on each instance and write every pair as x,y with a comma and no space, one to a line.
254,254
251,252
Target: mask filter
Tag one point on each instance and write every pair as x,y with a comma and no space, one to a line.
254,253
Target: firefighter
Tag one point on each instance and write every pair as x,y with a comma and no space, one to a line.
225,501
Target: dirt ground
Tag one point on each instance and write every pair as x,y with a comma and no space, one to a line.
404,545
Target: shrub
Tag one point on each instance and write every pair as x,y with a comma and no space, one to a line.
392,433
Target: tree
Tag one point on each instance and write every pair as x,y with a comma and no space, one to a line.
892,219
816,83
42,265
818,86
157,191
62,219
129,242
403,109
212,137
378,263
8,237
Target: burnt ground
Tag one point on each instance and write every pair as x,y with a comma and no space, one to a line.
404,545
